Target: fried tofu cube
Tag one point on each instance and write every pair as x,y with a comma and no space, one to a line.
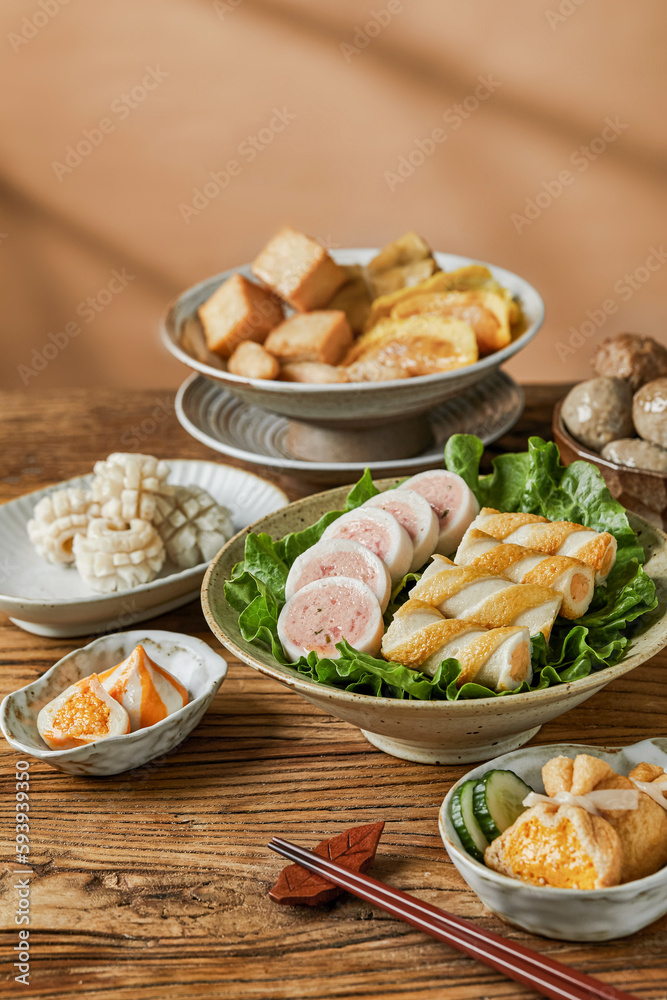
251,360
323,336
312,371
353,297
238,310
297,268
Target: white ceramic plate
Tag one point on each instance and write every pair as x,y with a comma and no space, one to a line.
199,669
565,914
234,427
55,601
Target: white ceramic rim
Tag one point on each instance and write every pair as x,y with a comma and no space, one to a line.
304,686
297,465
162,635
142,588
647,882
343,256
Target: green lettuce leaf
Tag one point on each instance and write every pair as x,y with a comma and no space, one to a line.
532,481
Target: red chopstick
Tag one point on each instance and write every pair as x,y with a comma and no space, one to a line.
548,977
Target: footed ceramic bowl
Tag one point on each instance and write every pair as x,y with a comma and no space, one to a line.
360,404
431,732
190,660
565,914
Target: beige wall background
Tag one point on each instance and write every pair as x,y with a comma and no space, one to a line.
183,86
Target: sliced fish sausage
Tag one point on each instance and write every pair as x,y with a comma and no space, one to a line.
453,501
340,557
326,611
556,538
414,513
572,579
421,638
380,532
486,598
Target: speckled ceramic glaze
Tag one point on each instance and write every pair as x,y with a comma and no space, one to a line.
364,403
191,661
433,732
566,914
217,418
56,601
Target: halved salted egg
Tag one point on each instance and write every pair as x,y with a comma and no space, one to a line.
83,713
146,691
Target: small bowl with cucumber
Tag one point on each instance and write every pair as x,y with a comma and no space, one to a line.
488,799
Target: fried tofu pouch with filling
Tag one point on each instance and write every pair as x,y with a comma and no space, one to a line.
567,847
561,846
642,831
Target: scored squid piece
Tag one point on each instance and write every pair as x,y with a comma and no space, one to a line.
83,713
572,579
453,501
556,538
414,513
326,611
486,598
421,638
340,557
380,532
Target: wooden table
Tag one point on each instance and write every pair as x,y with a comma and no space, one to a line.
153,884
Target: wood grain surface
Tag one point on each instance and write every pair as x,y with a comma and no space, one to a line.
153,884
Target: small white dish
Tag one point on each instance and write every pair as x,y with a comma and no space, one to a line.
564,914
190,660
54,601
219,419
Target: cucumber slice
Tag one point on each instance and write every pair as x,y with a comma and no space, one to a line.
464,822
498,801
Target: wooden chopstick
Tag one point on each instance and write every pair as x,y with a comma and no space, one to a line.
550,978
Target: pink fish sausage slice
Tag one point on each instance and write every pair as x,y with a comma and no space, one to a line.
453,501
380,532
326,611
414,513
340,557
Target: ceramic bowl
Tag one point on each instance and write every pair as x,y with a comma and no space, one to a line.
566,914
55,601
432,732
190,660
353,404
638,489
